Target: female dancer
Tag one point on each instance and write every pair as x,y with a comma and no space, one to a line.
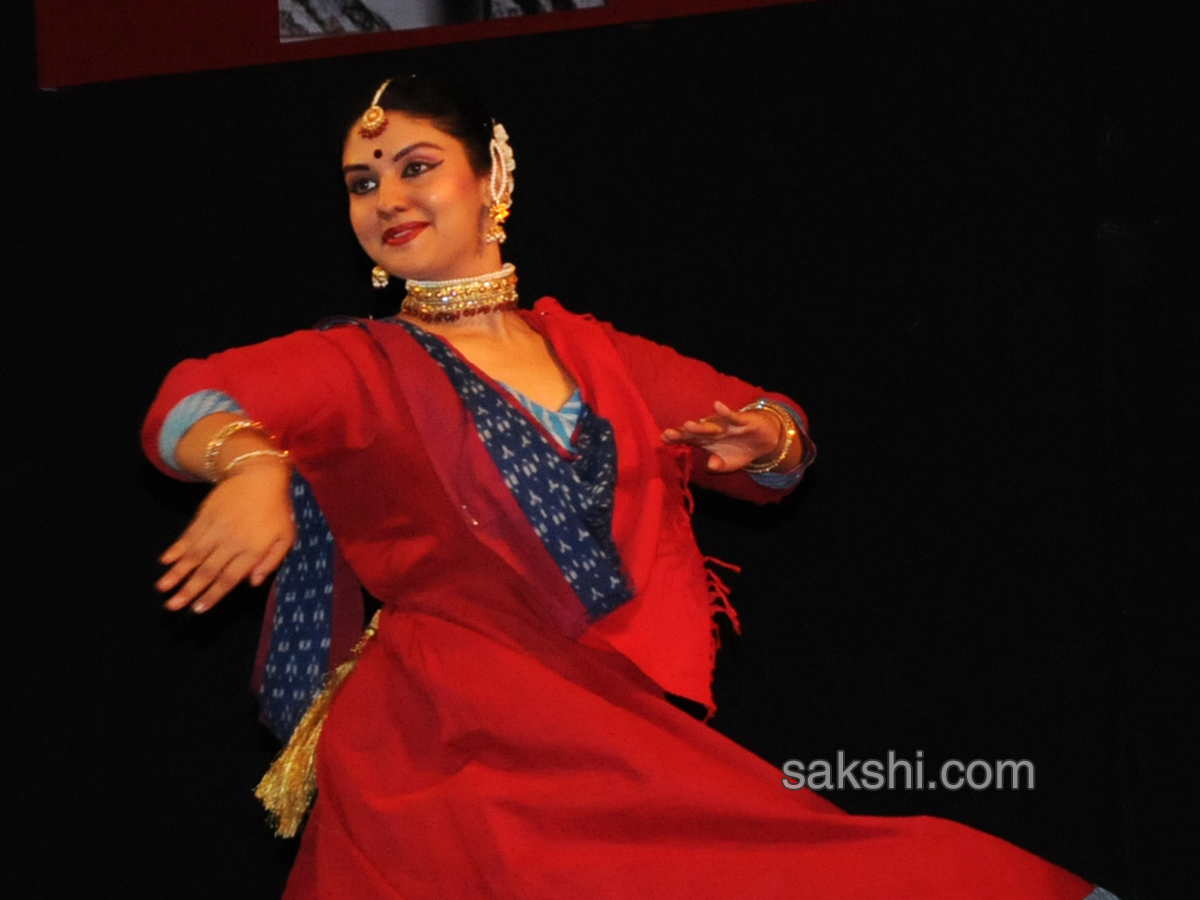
513,486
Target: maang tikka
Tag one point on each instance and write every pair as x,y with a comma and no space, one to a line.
500,184
374,120
374,123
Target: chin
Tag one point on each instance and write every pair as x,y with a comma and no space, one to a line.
409,268
427,267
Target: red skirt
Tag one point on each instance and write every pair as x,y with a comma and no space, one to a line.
457,764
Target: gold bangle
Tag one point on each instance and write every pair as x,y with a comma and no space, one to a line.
790,430
217,441
251,454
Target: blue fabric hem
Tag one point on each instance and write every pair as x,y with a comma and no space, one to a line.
186,413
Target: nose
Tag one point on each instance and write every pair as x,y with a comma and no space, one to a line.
392,195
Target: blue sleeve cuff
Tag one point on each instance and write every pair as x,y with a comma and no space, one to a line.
186,413
779,481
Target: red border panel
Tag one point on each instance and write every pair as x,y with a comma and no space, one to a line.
107,40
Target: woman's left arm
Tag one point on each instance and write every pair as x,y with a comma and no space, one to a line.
733,427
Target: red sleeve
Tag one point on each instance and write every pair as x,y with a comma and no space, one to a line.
311,390
678,388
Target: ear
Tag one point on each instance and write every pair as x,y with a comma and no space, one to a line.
485,190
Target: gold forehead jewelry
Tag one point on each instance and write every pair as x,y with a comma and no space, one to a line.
448,301
374,120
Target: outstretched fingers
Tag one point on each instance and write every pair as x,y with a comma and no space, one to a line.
693,432
243,529
271,560
206,564
200,565
704,431
185,555
218,581
731,416
732,438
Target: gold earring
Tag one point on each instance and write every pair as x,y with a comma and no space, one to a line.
379,277
495,232
500,184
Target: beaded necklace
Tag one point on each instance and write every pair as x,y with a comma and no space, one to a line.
448,301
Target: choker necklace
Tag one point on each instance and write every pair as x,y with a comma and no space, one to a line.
448,301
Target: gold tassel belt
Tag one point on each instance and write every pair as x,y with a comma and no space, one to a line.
288,788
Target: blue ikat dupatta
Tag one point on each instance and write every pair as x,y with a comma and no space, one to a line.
301,626
567,501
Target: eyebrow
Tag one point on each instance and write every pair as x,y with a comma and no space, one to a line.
404,151
411,147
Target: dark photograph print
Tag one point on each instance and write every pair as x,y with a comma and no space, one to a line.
304,19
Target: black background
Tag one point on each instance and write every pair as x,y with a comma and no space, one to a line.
959,233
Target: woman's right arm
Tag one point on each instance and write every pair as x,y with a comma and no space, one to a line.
312,390
244,526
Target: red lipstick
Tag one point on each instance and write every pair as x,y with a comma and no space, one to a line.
401,234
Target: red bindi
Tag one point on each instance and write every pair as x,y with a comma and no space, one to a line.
378,154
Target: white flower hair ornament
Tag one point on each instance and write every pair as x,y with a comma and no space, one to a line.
501,184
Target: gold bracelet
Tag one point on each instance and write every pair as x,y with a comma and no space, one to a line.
786,422
217,441
251,454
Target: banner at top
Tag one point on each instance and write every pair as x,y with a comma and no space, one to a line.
108,40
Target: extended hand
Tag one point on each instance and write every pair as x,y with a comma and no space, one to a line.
243,528
733,439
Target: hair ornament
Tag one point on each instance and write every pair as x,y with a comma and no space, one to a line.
500,184
374,120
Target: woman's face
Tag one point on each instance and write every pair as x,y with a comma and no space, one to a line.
416,206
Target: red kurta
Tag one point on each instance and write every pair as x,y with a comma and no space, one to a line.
490,743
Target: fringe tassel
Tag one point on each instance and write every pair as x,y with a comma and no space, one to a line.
720,592
719,602
288,788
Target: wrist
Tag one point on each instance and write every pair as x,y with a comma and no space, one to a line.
782,450
238,443
772,425
262,461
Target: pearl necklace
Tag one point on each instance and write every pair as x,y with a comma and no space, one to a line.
448,301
